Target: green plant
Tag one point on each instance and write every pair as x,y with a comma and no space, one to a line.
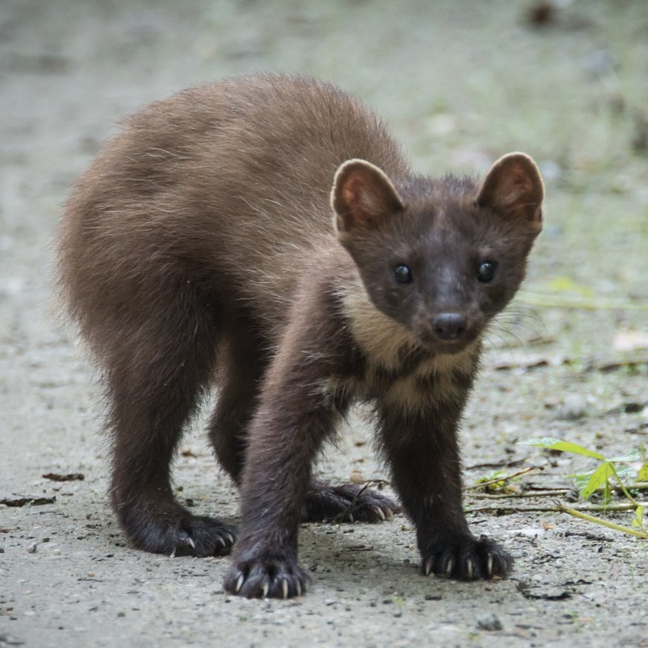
611,473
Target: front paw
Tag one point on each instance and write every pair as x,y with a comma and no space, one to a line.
266,578
467,558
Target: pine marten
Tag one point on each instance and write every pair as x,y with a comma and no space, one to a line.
266,235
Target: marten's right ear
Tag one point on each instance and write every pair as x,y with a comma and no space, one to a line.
362,197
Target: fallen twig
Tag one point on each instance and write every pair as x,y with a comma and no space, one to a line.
614,508
505,478
527,495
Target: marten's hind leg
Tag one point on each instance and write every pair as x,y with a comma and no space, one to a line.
157,368
242,360
347,503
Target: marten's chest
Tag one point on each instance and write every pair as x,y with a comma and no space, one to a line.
416,385
390,365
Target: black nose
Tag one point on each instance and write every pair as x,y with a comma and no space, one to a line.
449,326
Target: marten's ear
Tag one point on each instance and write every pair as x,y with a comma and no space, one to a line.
513,187
362,197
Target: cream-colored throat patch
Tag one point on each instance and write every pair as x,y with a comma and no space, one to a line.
382,340
386,344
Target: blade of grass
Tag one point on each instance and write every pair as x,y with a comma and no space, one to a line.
610,525
550,443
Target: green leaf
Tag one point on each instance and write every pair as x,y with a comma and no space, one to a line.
582,479
638,518
599,479
564,446
642,475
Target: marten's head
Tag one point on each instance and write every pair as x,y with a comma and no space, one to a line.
441,257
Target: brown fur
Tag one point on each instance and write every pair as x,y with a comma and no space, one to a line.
199,249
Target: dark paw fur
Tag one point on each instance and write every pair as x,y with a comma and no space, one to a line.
266,578
468,559
348,503
173,531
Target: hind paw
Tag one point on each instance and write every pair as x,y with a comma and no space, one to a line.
348,503
169,529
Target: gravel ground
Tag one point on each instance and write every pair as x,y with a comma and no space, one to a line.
461,82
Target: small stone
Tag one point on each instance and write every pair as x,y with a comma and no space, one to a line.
489,622
32,548
573,407
530,532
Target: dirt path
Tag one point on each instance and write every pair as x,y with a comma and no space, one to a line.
461,83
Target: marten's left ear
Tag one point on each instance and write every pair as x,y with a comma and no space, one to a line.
362,197
513,187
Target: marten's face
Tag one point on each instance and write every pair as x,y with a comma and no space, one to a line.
440,257
442,270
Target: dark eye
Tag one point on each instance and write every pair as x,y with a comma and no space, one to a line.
402,274
486,271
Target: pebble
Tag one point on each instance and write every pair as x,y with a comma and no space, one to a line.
489,622
529,532
433,597
573,407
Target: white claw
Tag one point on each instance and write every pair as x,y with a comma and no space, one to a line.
191,543
448,571
230,537
264,591
381,515
427,567
299,589
469,567
490,566
350,517
284,588
239,583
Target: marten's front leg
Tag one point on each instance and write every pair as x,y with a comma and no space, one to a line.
284,438
423,451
